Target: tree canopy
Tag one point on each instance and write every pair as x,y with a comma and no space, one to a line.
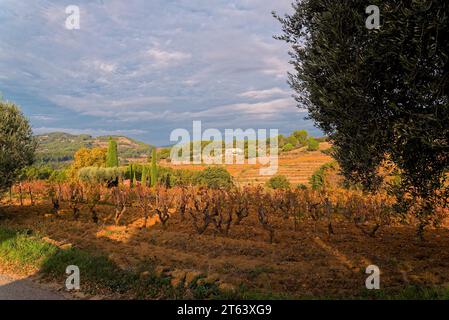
112,154
17,145
379,94
85,157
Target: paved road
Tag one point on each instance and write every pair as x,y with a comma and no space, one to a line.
23,289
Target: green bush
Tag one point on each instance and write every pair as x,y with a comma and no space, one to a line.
292,140
99,175
281,141
318,179
301,186
214,177
312,144
181,177
328,151
164,153
278,182
287,147
301,136
58,176
36,173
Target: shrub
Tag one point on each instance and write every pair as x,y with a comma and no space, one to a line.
312,144
328,151
318,179
287,147
281,140
164,153
301,186
292,140
278,182
182,177
37,172
100,175
214,177
58,176
301,136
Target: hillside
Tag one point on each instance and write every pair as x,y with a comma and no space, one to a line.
58,147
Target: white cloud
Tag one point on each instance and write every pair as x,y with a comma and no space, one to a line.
262,110
163,59
104,66
264,94
276,66
43,117
98,105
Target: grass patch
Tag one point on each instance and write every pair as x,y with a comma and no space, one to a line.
22,250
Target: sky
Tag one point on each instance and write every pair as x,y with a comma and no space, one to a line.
143,68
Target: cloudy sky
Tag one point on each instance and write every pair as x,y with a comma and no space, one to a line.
145,67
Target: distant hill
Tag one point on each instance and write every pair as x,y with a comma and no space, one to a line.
59,148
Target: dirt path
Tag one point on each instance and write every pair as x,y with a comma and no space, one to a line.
24,289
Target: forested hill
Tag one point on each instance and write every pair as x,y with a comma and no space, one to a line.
58,147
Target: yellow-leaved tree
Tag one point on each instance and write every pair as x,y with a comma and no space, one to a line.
84,157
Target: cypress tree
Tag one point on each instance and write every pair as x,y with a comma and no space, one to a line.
153,168
134,179
130,174
112,155
144,176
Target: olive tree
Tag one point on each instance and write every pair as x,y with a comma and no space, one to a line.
380,94
17,145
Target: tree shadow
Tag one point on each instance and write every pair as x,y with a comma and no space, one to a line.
25,289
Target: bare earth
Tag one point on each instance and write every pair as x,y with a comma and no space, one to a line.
305,262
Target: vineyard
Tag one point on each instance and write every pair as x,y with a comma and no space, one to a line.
298,242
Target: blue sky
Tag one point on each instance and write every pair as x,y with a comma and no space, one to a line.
145,67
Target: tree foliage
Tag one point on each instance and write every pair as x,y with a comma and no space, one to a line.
112,154
301,136
278,182
214,177
293,140
84,157
99,175
318,180
144,176
379,94
154,171
312,144
287,147
17,145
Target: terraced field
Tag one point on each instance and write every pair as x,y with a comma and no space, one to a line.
297,165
